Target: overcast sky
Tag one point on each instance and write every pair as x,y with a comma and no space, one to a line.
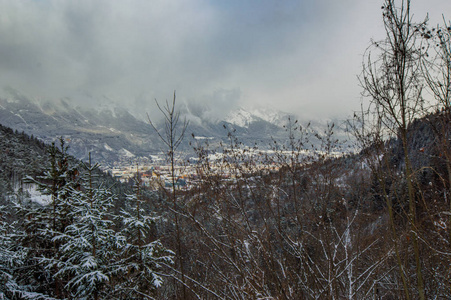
299,56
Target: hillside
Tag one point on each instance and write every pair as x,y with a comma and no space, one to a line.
23,155
111,133
20,155
302,213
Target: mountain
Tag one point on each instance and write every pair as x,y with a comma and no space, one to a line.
111,133
267,114
108,133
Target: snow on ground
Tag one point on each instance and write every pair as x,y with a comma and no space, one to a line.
36,196
127,153
107,147
21,118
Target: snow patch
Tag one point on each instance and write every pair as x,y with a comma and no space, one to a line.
21,118
156,158
36,196
107,147
125,152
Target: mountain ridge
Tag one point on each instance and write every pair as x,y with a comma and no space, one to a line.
112,132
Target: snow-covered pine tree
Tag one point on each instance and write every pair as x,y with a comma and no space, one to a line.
11,261
137,275
58,180
41,223
90,245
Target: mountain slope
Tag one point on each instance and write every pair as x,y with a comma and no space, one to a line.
20,155
23,155
111,133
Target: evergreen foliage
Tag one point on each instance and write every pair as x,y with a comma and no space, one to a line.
20,155
72,243
143,256
89,244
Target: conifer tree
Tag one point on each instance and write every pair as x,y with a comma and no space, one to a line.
57,182
90,243
42,223
11,260
141,258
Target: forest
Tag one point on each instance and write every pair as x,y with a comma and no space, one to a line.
374,223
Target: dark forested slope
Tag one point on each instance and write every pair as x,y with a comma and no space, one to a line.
23,155
20,155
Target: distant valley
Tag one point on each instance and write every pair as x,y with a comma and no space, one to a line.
112,133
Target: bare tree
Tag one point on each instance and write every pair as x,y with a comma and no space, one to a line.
392,80
172,137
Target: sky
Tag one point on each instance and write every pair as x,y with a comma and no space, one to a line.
300,57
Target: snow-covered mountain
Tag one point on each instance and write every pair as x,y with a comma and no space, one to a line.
110,132
242,118
106,132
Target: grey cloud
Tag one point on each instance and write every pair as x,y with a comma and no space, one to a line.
302,55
